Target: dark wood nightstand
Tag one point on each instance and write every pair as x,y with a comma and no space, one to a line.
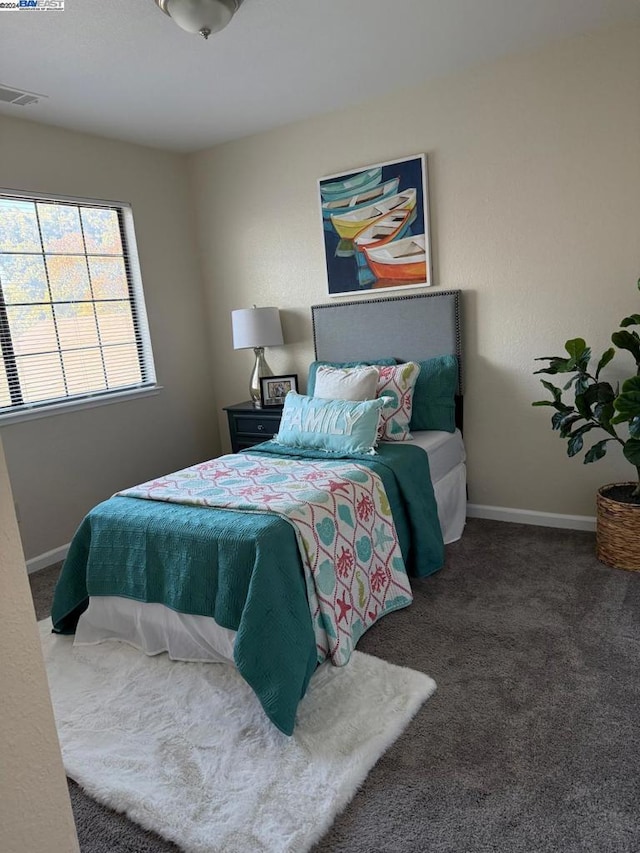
249,426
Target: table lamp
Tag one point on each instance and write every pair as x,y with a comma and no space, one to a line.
257,328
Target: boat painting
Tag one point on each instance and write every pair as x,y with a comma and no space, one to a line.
349,225
399,260
358,236
357,182
350,203
391,227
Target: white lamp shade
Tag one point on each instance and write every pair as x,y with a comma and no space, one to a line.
195,15
256,327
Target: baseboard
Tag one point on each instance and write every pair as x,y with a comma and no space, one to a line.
528,516
43,561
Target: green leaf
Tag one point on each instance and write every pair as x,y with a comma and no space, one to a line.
573,379
575,347
583,362
584,428
575,445
627,403
556,365
603,413
556,402
580,355
582,383
567,422
556,392
556,420
605,359
618,419
632,320
631,385
629,341
632,451
576,441
582,406
599,392
597,451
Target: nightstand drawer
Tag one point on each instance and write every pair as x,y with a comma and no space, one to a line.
258,425
249,426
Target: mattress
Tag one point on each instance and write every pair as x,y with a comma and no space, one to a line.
153,628
444,449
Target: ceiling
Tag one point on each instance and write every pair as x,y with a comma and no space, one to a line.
122,69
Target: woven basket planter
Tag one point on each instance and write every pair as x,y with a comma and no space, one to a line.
617,531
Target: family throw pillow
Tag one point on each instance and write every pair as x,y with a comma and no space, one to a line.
336,426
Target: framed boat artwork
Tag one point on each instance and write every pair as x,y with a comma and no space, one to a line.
375,227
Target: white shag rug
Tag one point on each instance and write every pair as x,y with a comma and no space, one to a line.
185,749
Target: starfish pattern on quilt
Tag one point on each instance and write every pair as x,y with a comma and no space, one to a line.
353,566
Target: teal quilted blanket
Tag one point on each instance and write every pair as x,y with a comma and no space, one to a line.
243,569
349,549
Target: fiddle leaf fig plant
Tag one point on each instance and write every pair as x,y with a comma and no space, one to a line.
597,405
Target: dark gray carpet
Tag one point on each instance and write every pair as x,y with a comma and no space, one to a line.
532,741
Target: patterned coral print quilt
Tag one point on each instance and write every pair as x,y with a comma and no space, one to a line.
353,566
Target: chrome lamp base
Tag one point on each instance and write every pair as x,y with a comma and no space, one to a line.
260,368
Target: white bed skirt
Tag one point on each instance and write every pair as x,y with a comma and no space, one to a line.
451,497
154,628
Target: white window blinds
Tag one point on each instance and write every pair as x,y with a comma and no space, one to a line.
72,317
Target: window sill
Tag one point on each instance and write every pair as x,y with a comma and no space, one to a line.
77,405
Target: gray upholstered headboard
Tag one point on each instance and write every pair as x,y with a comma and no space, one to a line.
406,327
415,327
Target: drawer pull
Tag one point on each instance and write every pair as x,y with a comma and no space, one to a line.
260,427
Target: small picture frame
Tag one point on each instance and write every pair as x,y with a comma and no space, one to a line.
273,389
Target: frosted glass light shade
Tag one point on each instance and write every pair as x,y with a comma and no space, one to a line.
256,327
200,16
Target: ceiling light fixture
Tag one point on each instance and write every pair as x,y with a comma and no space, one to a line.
200,16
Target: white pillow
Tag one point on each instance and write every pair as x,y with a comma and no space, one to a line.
346,383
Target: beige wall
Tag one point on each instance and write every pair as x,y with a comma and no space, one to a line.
534,167
35,812
62,465
535,201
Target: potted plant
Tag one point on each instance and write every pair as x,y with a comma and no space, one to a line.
597,405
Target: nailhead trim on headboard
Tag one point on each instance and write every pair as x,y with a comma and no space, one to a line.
383,302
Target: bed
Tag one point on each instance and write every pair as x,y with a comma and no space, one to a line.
207,582
408,328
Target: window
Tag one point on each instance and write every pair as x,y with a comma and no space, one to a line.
72,317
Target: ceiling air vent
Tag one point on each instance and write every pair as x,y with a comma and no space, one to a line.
19,97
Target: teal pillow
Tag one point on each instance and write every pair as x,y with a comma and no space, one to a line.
335,426
434,394
313,368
